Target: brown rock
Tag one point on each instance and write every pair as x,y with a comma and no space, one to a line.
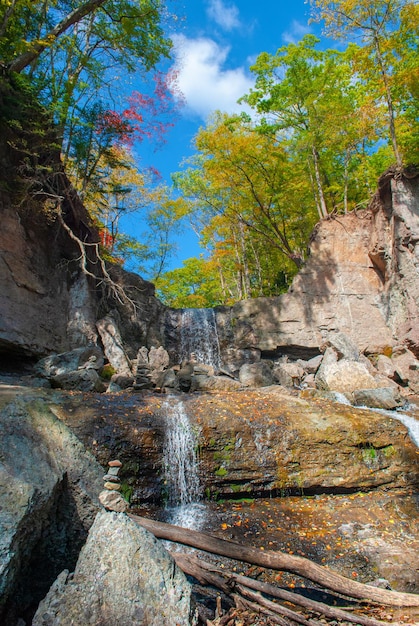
112,486
113,501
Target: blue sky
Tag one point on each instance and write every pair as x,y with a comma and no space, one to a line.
215,43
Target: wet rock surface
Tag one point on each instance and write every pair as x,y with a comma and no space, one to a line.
348,477
265,441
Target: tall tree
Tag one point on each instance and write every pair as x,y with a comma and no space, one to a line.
245,176
307,100
375,22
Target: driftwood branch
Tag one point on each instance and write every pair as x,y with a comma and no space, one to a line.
226,580
279,561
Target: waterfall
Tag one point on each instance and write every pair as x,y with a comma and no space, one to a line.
181,467
199,336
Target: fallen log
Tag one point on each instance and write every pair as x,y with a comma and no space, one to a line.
257,598
278,561
206,573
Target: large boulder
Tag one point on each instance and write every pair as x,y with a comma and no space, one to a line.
256,374
252,441
123,576
76,369
48,498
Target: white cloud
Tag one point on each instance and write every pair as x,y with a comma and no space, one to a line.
296,32
205,85
225,16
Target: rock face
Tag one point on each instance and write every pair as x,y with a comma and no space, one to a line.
265,441
49,485
123,576
49,306
361,279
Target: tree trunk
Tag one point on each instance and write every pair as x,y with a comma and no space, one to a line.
278,561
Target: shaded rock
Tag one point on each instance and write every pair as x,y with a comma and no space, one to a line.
216,383
185,377
381,398
122,381
48,498
123,576
166,379
82,380
256,374
90,357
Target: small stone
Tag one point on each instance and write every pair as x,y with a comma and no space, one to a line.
113,471
115,463
112,478
113,501
112,486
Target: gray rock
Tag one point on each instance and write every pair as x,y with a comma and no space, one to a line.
382,398
343,345
123,576
158,358
312,365
122,380
80,380
256,375
216,383
90,357
48,496
289,374
385,366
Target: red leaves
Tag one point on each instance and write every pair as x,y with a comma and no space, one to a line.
145,117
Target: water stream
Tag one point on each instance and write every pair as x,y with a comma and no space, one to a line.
404,415
181,467
199,336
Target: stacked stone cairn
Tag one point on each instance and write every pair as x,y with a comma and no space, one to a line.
110,497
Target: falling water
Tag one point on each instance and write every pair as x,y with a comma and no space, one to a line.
198,336
181,467
411,423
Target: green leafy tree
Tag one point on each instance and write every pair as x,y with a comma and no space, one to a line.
308,102
378,25
194,285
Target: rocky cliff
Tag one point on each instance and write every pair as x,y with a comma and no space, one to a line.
361,278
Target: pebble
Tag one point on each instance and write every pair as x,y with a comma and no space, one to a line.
113,470
112,478
115,463
112,486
